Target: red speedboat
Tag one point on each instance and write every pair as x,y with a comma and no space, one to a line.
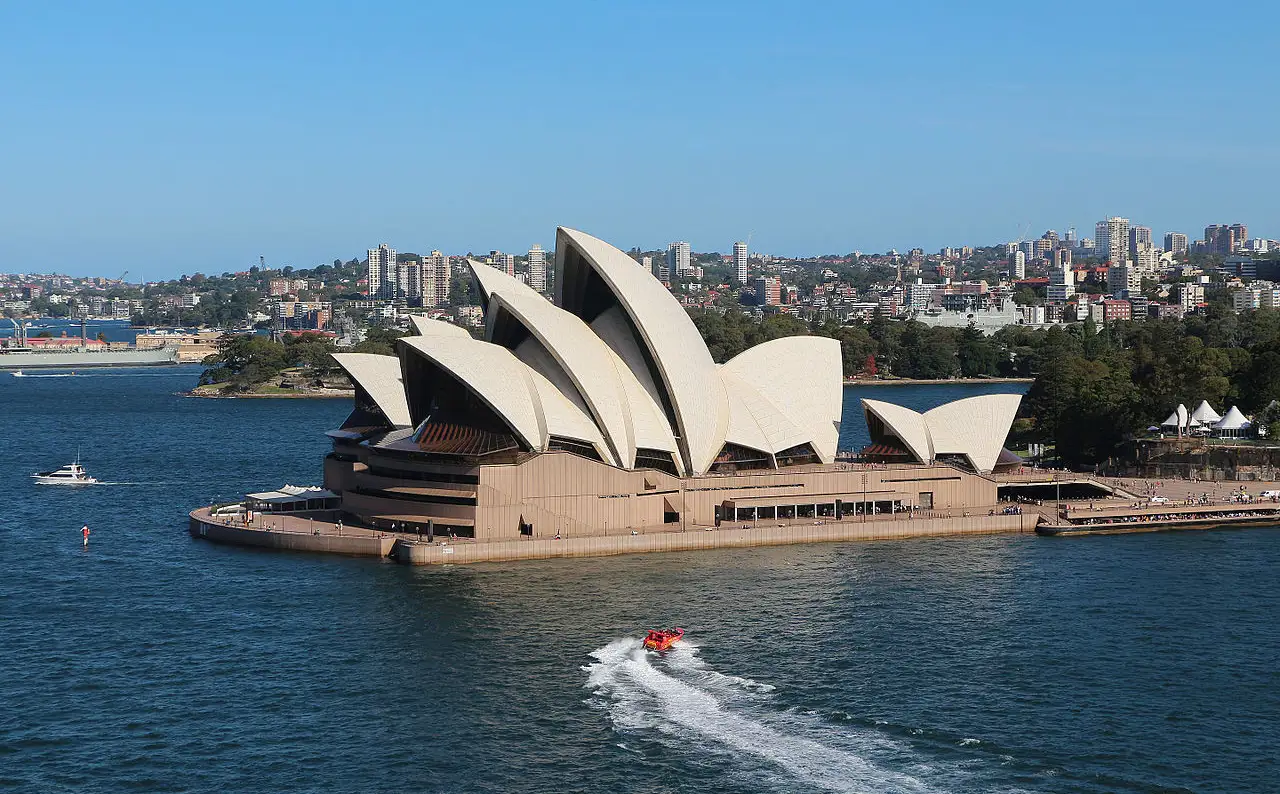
662,639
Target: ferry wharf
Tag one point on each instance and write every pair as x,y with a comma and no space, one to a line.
1160,518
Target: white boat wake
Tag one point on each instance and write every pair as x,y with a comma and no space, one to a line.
680,702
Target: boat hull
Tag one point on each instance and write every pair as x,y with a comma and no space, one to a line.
84,359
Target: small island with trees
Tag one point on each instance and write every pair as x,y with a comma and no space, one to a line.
299,365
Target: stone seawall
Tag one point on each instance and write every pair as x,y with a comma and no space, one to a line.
418,553
361,545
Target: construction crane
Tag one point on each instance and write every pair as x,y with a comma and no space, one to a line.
122,275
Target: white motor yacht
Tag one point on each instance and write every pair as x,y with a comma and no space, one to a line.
71,474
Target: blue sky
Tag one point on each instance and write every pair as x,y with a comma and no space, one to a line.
166,137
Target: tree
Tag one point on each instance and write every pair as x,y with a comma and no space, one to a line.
243,361
978,355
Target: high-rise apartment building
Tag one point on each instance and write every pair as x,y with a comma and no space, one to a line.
1019,265
1137,236
409,281
1042,247
504,262
1175,242
740,262
538,268
382,272
768,291
678,259
1113,240
438,276
1147,259
1224,239
1123,277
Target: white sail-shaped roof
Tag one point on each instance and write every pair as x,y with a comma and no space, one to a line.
1204,413
532,406
604,382
975,427
494,375
1233,420
686,371
801,377
905,424
425,326
379,377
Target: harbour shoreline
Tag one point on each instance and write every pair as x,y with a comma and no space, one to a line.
932,381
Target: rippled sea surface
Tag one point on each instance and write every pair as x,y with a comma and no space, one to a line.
153,662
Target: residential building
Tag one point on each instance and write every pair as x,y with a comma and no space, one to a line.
1138,236
537,268
678,259
1019,265
1146,258
278,287
409,281
1114,309
1190,295
1115,247
1175,243
1224,239
1062,283
436,279
504,262
740,262
1122,279
382,271
768,291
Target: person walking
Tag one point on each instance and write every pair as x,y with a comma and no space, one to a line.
84,532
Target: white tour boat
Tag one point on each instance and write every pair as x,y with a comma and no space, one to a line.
71,474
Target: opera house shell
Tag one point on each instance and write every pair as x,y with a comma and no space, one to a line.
602,412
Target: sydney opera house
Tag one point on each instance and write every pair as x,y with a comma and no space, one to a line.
604,413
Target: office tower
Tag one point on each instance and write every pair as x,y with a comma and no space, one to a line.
740,261
382,271
678,259
538,268
1019,261
1137,236
1116,233
1100,242
1175,242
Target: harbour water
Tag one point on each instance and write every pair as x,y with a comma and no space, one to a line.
151,662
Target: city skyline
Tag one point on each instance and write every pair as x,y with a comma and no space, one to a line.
164,139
